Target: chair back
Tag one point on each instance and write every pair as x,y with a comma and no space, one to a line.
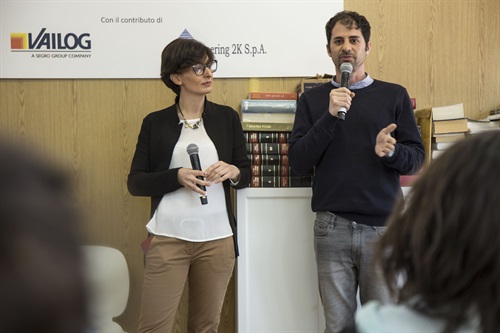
108,278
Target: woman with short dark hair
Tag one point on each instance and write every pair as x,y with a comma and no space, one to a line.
187,158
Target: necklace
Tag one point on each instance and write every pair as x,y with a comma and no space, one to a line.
194,125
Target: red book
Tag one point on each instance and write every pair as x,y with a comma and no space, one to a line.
273,95
413,103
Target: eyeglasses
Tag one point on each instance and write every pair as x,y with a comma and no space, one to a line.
199,69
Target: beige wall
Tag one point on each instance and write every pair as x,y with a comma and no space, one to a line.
444,52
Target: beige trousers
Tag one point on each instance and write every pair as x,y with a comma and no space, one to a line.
206,266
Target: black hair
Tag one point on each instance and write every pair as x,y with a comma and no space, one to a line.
351,20
180,54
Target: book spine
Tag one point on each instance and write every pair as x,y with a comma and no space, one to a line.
265,159
268,106
450,126
267,137
268,117
273,95
267,148
272,170
277,181
296,181
441,145
257,181
307,84
310,85
266,126
413,103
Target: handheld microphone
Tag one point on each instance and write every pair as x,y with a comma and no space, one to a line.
345,70
192,150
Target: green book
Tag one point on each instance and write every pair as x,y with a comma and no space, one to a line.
266,127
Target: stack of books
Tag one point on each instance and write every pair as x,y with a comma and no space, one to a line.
494,115
449,126
490,123
269,111
487,124
268,154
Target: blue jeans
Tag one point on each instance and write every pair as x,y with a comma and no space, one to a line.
345,261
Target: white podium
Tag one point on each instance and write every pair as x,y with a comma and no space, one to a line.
276,270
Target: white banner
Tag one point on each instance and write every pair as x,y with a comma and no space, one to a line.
124,39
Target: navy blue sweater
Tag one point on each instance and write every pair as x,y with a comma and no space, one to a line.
350,179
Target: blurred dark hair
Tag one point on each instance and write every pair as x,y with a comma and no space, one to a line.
351,20
442,245
180,54
42,287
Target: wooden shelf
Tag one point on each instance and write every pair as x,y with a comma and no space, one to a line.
424,120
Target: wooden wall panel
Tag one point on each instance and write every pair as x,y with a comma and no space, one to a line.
442,51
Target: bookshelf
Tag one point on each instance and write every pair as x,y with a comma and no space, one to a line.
424,120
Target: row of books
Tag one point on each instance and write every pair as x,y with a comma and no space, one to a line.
268,154
267,120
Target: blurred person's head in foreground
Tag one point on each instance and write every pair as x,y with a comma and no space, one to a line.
441,251
42,287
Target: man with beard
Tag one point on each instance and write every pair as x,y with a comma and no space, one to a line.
357,163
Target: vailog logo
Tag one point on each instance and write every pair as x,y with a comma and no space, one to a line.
55,42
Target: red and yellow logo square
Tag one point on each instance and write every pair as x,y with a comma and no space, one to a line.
18,41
